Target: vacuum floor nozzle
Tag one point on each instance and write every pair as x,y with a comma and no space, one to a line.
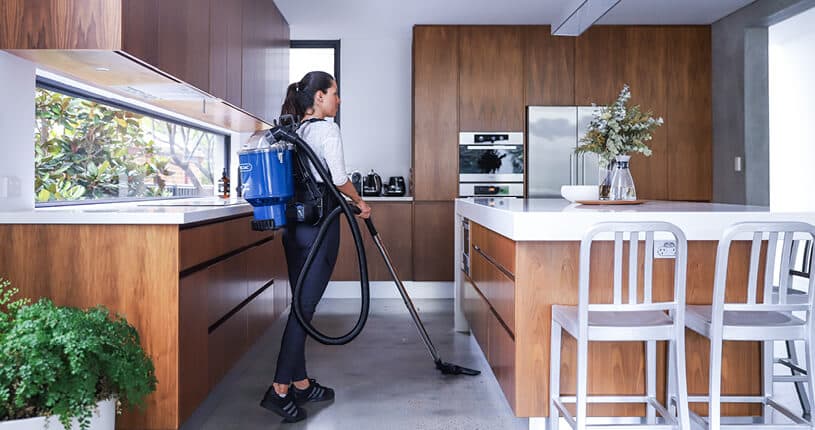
453,369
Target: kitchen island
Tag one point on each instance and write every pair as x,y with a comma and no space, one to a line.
523,258
191,275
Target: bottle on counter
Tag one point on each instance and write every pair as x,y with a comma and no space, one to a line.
223,185
239,188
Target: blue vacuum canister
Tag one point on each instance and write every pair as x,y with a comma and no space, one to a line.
268,181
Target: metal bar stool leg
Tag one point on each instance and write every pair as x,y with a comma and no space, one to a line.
681,382
651,378
800,388
554,375
767,362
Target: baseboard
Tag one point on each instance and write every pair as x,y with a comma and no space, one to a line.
388,290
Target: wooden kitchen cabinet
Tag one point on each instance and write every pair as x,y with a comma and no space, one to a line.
491,88
669,71
637,56
435,112
199,295
235,50
667,67
226,50
433,236
548,67
393,221
689,120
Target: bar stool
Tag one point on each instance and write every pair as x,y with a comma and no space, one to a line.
798,374
646,321
765,321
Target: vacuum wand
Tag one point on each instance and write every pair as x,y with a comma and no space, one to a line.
445,368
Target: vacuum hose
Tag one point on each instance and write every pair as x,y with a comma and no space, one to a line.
283,133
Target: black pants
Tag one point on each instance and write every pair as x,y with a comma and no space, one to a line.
297,241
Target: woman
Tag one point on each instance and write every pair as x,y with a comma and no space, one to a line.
313,99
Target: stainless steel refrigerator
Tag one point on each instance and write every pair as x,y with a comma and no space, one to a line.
554,132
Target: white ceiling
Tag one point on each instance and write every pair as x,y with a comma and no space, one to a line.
349,17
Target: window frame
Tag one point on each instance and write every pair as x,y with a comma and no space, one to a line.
62,88
323,44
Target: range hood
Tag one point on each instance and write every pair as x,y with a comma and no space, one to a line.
579,15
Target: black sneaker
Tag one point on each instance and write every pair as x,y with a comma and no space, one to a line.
314,393
283,406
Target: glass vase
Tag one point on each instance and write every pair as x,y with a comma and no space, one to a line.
622,184
604,173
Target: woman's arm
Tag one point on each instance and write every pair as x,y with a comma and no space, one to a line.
348,189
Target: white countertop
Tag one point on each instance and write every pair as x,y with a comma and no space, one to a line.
144,212
558,219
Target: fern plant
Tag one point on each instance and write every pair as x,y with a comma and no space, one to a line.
61,361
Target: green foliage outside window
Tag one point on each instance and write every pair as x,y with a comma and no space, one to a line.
61,361
87,150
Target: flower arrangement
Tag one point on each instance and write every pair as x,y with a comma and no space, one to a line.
619,130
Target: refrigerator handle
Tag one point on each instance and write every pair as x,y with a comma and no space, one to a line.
583,169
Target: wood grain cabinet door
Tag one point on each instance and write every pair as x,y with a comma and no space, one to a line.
435,112
433,237
225,50
548,67
393,221
491,93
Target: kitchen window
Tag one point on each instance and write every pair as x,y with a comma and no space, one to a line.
93,150
315,55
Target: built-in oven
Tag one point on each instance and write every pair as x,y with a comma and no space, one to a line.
491,164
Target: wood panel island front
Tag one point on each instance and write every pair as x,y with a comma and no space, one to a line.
524,258
197,283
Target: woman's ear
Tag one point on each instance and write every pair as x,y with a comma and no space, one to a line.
319,96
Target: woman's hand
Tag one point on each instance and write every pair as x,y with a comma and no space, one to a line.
364,208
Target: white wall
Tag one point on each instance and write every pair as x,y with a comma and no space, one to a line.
792,113
17,80
375,91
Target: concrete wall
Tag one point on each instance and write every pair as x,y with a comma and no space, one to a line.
17,80
741,99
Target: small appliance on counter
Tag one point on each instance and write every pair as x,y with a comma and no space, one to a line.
395,187
372,185
356,180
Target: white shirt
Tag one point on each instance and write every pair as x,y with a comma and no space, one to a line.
324,138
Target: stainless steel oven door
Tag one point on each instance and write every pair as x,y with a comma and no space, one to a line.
491,163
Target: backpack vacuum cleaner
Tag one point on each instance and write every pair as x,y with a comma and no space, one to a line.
267,174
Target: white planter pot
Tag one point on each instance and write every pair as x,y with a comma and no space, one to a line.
104,418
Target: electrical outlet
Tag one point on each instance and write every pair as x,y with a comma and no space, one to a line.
664,249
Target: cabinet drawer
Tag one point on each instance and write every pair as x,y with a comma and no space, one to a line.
498,248
261,313
226,344
209,241
497,287
501,357
477,311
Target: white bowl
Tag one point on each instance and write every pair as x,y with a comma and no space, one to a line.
574,193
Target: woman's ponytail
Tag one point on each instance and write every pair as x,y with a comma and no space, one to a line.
300,95
289,105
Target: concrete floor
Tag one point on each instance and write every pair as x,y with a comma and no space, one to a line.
383,379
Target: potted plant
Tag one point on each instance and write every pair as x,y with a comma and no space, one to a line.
63,366
613,134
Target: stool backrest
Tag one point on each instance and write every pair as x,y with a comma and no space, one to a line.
783,235
629,235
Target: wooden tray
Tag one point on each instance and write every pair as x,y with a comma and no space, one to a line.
610,202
